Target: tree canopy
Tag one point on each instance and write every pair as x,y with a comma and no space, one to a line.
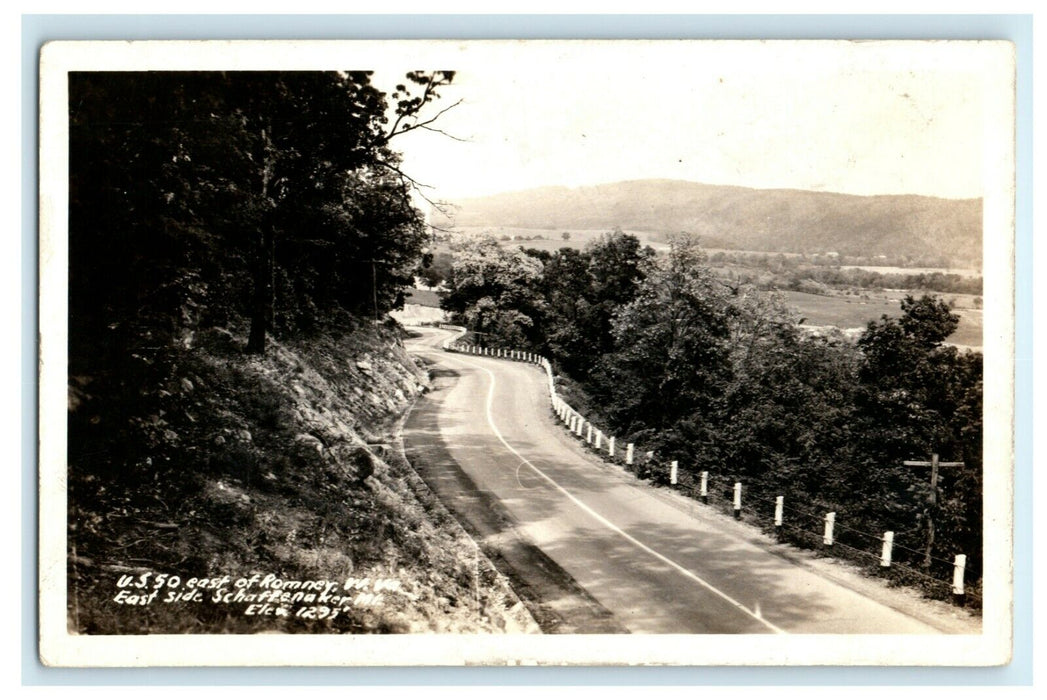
720,377
208,197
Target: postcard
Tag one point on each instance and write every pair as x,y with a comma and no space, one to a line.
386,353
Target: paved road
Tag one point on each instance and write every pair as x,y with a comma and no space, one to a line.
589,547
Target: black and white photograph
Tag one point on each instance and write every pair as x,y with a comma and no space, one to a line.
496,353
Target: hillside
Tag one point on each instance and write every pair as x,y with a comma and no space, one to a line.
233,462
284,468
940,231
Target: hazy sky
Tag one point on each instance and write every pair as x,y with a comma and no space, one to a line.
860,118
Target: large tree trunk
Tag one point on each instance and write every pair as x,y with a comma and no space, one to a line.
262,304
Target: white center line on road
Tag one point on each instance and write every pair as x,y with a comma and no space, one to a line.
602,520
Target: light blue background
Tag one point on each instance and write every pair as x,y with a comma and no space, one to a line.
37,29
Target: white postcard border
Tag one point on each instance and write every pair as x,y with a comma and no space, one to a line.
61,648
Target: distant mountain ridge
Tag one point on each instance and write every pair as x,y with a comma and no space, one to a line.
789,221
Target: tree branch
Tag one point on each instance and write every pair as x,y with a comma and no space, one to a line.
441,131
419,125
430,87
402,175
415,185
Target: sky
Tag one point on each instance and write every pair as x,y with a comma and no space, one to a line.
859,118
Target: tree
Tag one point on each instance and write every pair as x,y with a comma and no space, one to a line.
789,404
917,396
299,159
309,162
583,289
493,289
902,373
359,254
567,321
670,363
617,266
435,268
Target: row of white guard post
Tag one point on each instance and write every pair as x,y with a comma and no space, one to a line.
574,420
577,424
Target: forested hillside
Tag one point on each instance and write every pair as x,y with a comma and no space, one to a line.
663,352
935,232
235,239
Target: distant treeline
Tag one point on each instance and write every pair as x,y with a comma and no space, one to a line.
719,377
750,257
791,272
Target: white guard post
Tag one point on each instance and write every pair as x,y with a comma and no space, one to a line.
830,522
957,574
888,547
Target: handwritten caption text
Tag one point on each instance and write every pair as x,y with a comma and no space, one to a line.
259,594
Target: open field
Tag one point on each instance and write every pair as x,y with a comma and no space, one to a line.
842,312
552,239
854,312
891,270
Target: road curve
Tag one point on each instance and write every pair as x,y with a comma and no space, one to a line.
590,548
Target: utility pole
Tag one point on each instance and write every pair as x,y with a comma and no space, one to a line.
374,284
374,290
934,464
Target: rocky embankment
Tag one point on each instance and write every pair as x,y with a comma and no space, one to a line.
247,494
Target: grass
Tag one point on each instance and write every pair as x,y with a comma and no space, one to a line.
842,312
855,312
